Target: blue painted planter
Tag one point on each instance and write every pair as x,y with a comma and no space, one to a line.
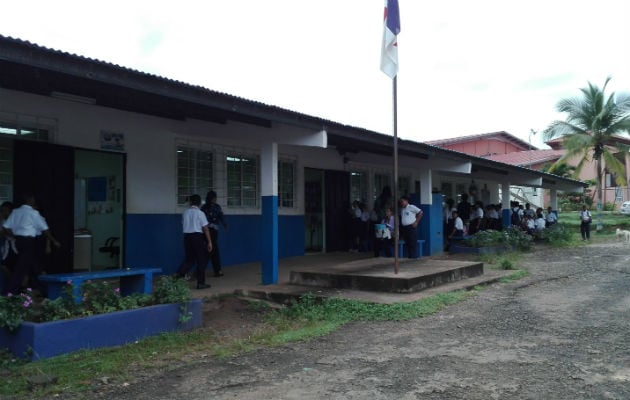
47,339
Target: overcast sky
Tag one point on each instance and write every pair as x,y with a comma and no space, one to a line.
466,67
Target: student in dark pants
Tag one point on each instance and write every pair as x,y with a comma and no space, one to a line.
24,224
585,223
197,242
215,217
410,216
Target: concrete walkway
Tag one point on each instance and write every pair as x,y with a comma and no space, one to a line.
245,279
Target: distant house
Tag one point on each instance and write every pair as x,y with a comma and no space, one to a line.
506,148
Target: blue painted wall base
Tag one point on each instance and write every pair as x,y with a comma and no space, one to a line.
48,339
156,240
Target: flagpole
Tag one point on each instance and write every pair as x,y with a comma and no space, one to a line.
395,192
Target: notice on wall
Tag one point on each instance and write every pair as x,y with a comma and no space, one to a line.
112,141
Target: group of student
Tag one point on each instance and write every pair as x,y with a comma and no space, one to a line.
374,230
468,218
531,221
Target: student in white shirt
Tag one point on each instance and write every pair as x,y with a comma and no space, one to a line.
585,225
196,249
410,216
24,224
552,217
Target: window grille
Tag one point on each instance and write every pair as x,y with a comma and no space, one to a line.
286,184
194,172
242,180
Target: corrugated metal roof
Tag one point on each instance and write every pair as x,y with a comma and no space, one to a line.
528,158
502,135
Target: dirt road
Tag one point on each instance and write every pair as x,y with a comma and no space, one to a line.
561,333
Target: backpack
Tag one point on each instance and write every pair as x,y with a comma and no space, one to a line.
515,219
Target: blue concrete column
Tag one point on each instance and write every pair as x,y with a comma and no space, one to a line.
269,193
431,225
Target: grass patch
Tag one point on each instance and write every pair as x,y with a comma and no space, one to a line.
310,317
504,261
514,276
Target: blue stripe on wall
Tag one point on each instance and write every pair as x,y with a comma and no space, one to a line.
155,240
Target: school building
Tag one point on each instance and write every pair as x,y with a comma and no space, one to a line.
112,152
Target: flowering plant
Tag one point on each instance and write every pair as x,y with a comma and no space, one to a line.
96,298
15,308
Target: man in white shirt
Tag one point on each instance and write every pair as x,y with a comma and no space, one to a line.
410,216
197,242
25,224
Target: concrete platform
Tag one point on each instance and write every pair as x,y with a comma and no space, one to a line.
286,293
377,274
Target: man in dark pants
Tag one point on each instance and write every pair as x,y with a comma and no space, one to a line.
197,242
410,216
214,214
25,224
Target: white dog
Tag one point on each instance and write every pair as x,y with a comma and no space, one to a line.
623,234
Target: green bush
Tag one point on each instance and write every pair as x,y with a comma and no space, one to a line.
512,236
558,235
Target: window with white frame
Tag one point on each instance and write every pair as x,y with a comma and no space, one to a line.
24,132
358,186
194,172
242,180
286,184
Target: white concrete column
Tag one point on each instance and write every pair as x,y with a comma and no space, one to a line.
426,186
269,170
553,199
505,195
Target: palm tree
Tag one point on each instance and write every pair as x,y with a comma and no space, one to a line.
589,132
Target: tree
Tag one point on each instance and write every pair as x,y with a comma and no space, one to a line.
589,132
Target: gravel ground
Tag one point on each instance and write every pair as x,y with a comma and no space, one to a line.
560,333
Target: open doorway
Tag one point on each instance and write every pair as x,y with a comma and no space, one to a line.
314,210
98,210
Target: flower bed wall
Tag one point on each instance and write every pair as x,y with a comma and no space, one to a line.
48,339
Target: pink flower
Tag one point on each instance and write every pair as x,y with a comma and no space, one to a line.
28,289
68,282
117,290
9,294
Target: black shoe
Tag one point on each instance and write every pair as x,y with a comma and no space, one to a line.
218,274
202,286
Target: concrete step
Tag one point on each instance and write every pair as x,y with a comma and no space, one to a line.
377,275
287,293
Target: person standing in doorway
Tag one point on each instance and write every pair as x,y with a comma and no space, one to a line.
215,217
410,217
24,224
197,242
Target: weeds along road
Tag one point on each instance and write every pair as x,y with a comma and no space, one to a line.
561,333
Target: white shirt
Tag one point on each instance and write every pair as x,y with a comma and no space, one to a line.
540,224
552,217
585,215
493,214
409,213
193,220
530,223
26,221
459,224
